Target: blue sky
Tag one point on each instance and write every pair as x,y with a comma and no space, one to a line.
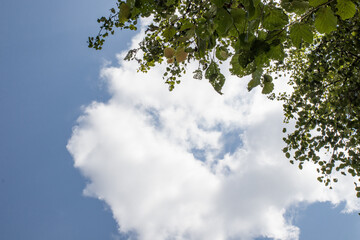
47,74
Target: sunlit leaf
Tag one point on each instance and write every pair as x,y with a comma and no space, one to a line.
346,9
300,32
325,21
124,12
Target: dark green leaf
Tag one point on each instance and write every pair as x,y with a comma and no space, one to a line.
223,21
325,21
169,32
275,18
268,87
300,32
222,53
216,78
124,12
315,3
255,81
218,3
296,6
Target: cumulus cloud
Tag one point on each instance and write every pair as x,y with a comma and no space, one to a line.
191,164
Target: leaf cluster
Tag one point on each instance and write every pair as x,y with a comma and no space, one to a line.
251,33
325,103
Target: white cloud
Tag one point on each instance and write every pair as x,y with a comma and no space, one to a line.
138,152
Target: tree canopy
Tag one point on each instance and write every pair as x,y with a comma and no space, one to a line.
315,41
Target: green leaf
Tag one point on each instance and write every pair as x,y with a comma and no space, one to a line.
186,25
169,32
223,21
325,21
300,32
267,78
275,18
315,3
268,87
237,69
202,45
296,6
212,71
268,84
169,2
346,9
222,53
202,31
261,60
276,52
255,81
251,10
218,83
216,78
235,66
245,58
256,2
124,12
218,3
239,18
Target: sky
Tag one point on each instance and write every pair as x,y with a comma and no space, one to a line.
91,149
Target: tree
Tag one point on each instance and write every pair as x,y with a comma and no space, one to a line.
316,41
326,103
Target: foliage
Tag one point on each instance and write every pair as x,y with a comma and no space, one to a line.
315,40
326,103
